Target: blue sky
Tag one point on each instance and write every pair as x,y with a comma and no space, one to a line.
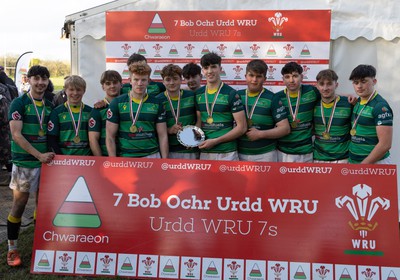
36,26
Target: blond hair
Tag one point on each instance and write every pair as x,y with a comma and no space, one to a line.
75,81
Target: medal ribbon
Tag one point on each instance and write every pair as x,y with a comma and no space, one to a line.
76,127
175,115
210,111
296,110
328,128
250,114
362,109
134,119
40,117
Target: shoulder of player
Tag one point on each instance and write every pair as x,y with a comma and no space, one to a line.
59,109
200,90
280,94
267,94
380,104
309,89
241,92
343,102
187,93
152,99
227,89
87,108
23,99
379,99
161,96
120,98
97,111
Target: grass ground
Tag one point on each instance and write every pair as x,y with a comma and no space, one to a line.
25,243
25,247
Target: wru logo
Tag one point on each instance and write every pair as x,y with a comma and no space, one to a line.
363,208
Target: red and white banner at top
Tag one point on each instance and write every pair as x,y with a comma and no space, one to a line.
235,26
180,37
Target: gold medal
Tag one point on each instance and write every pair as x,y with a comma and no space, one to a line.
77,139
249,123
353,132
133,128
41,133
326,135
293,124
210,120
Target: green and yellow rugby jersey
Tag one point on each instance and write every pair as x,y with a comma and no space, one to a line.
187,116
97,123
142,142
61,125
336,146
269,110
299,141
22,109
375,113
227,103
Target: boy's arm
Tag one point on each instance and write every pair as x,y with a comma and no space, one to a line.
94,138
236,132
198,119
111,132
282,128
163,139
384,134
16,133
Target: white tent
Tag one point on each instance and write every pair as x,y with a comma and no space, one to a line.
365,32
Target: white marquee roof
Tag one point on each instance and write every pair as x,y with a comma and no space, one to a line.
351,19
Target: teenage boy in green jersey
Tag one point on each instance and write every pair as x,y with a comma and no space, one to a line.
137,119
68,125
180,110
28,117
266,117
332,118
299,101
191,72
218,107
153,88
372,120
111,82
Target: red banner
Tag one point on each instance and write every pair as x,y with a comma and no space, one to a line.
234,26
180,37
216,220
